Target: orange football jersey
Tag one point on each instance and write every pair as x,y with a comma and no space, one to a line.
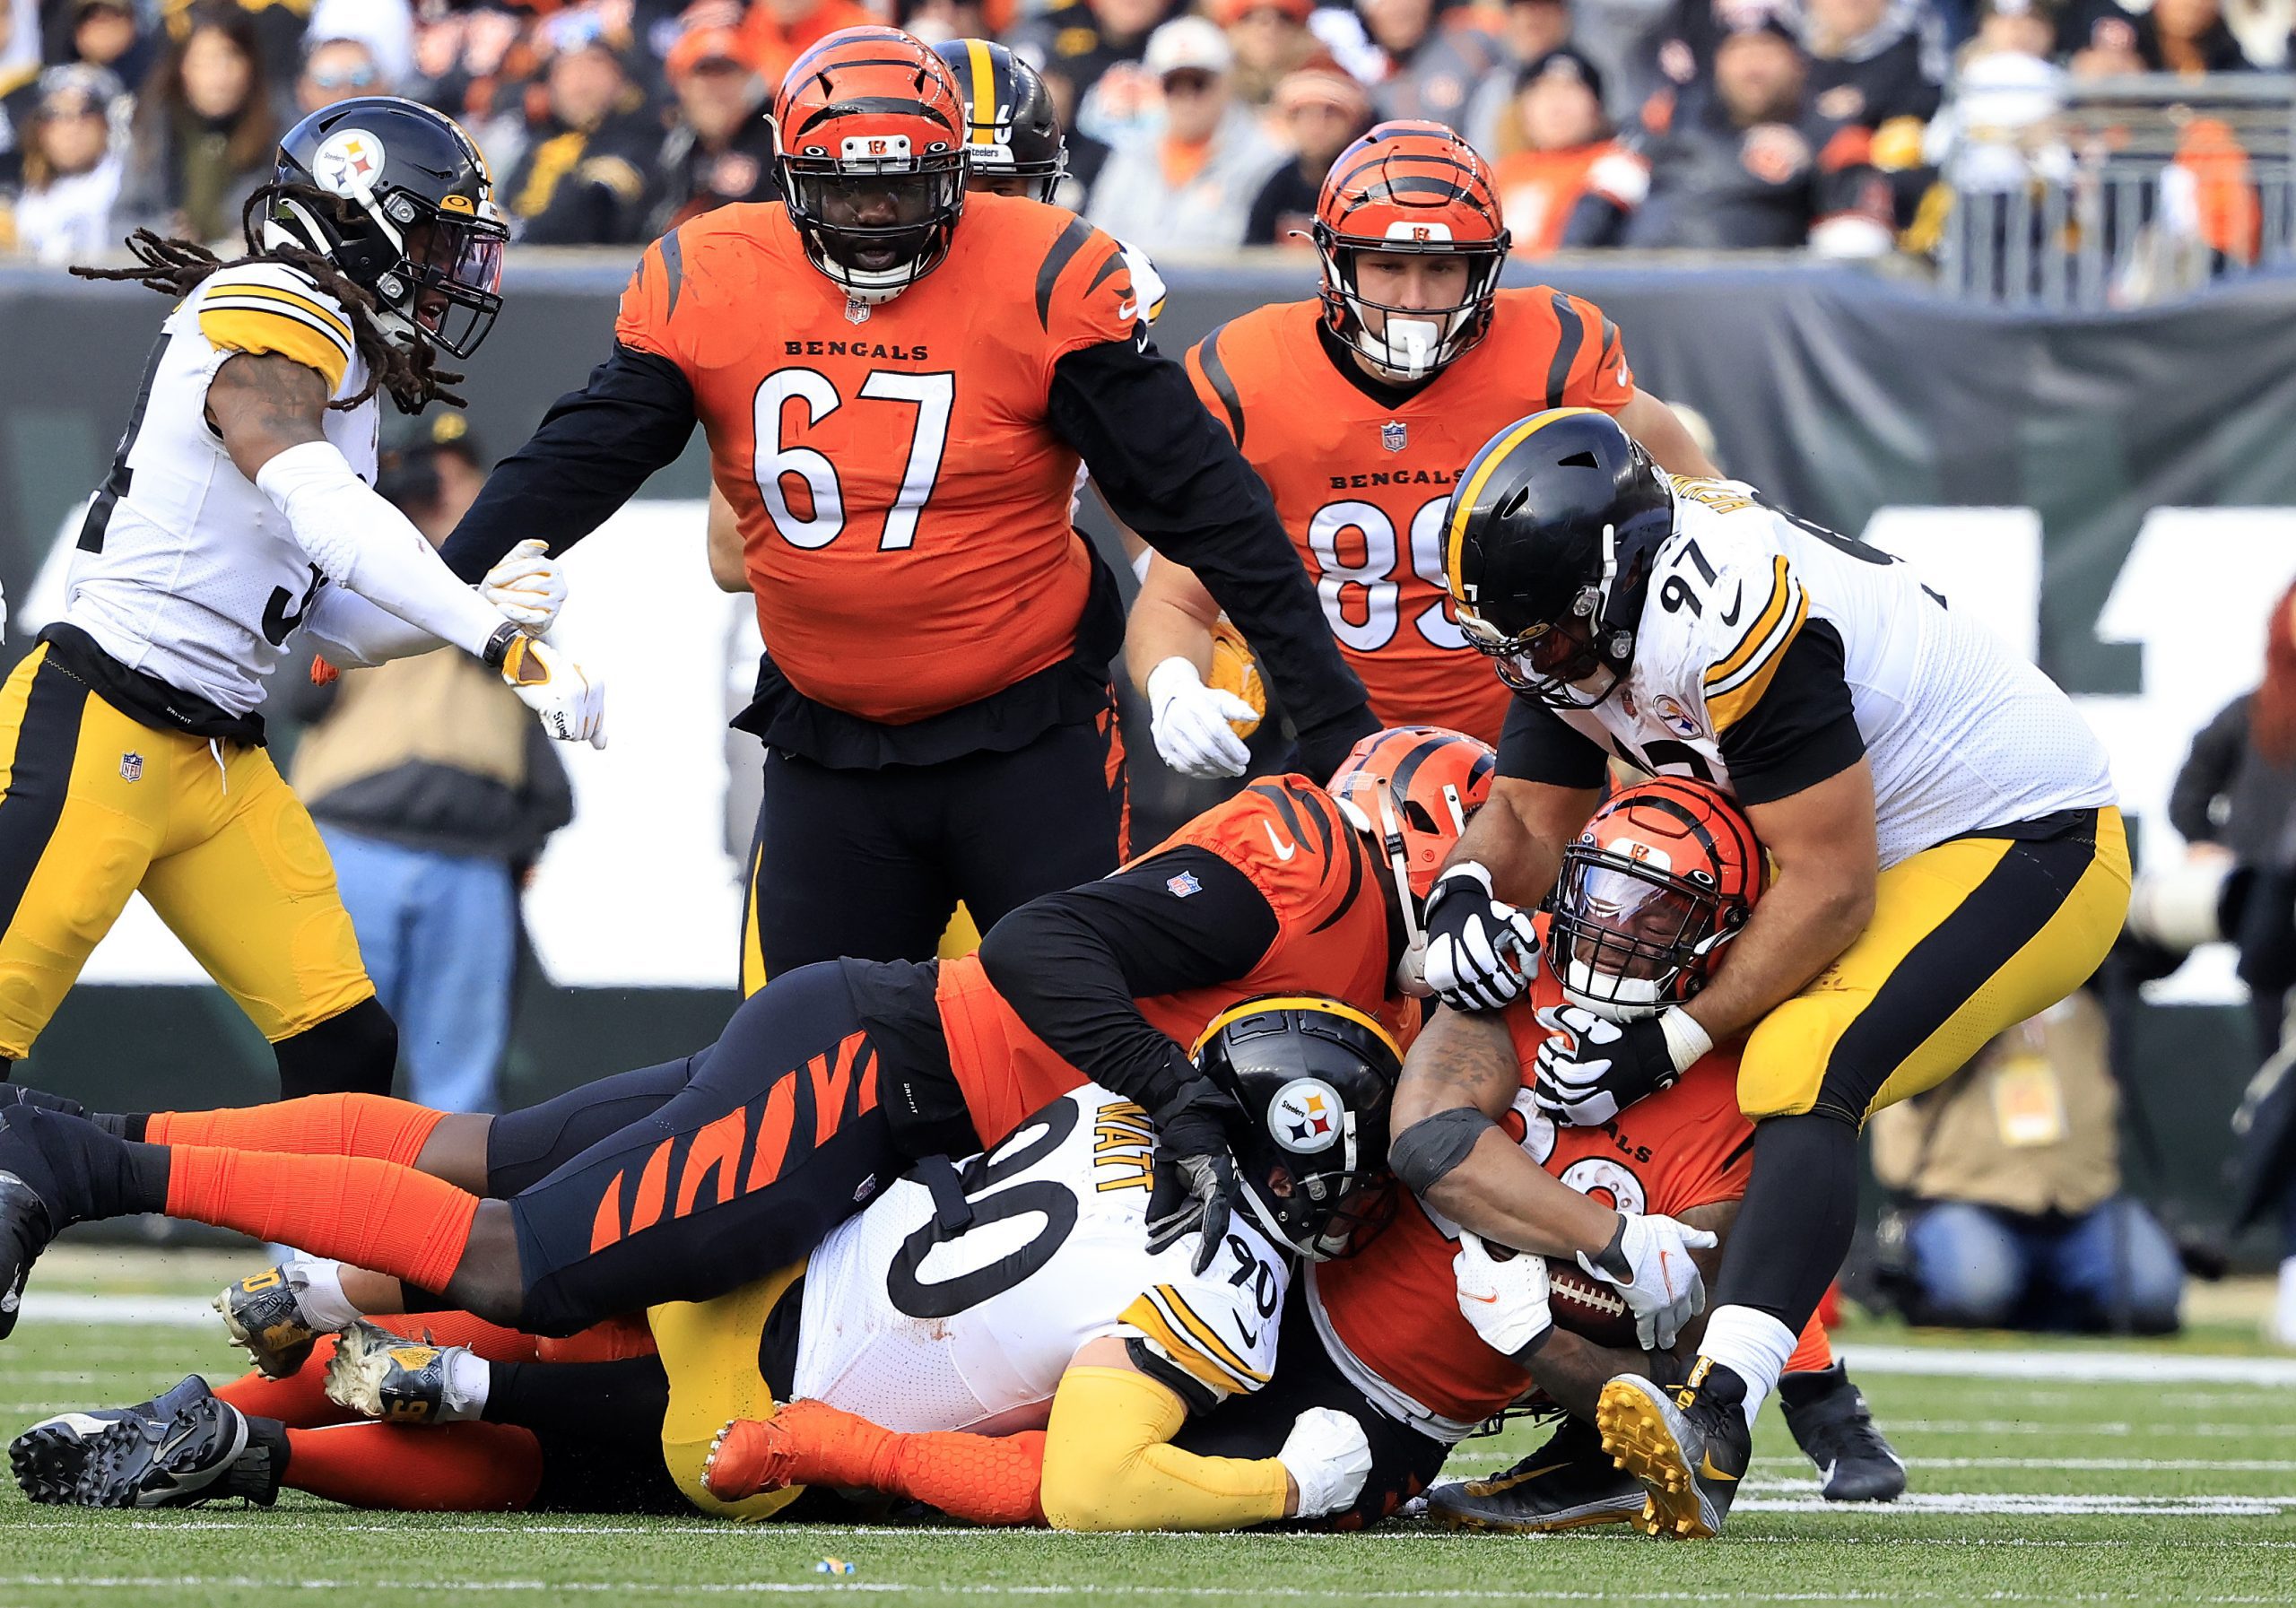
1287,835
1361,486
1680,1149
903,502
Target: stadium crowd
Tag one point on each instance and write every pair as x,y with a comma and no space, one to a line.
1706,124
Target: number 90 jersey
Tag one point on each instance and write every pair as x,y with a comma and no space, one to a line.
1746,601
949,1314
1362,484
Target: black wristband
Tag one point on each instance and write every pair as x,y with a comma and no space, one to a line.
1612,1259
497,645
1522,1354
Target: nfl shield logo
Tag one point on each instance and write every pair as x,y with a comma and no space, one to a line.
1394,435
131,767
1184,884
857,312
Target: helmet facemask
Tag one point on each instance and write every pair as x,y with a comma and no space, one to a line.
876,217
436,275
1413,343
1630,935
1577,660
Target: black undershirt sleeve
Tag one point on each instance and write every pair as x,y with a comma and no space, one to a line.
593,449
1171,473
1803,730
1073,964
1538,745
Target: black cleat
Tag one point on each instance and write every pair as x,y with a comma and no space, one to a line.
1833,1425
48,1458
1568,1483
1690,1447
17,1094
30,1216
204,1451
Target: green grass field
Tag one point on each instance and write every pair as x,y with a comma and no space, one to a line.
2054,1487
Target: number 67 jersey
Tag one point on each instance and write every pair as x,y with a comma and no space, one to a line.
956,1304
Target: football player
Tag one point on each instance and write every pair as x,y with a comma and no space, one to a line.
237,511
1949,858
898,379
928,1313
1356,408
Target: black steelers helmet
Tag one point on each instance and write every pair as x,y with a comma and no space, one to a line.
1315,1078
397,196
1012,130
1548,547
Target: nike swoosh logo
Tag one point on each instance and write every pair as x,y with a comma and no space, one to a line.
1283,851
1250,1337
1730,614
1706,1466
1128,310
1488,1301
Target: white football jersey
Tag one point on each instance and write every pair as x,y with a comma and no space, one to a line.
184,570
917,1327
1962,732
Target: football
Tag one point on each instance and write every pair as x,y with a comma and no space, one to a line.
1588,1307
1234,670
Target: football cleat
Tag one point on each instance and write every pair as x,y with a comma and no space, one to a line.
30,1212
751,1455
1688,1447
264,1314
1568,1483
1833,1424
386,1377
48,1458
204,1451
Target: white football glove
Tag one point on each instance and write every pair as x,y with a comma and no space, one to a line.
528,586
1482,952
1189,721
1328,1458
1649,1263
1505,1303
569,702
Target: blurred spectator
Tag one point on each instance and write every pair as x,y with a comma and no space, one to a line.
435,791
1429,64
1559,146
1320,111
1752,168
581,180
1269,40
2012,1169
938,22
1187,183
275,30
108,33
336,70
205,131
777,33
1532,29
1077,42
720,148
386,27
1870,64
72,169
2021,28
471,65
2175,36
1686,46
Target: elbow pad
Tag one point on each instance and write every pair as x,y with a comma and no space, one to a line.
1106,1466
365,546
1429,1150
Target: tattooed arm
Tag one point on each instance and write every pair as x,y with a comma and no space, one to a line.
261,404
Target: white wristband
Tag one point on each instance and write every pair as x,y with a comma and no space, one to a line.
1686,1041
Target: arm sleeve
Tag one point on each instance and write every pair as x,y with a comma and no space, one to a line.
1172,474
351,633
2207,771
1803,731
1538,745
595,448
1109,1463
1073,964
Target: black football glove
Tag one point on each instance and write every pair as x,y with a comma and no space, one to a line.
1482,952
1195,1176
1591,1068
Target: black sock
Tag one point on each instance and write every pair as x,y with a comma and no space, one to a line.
618,1402
1799,1389
130,1125
95,1176
1795,1227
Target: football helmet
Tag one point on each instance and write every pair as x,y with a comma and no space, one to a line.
869,133
396,196
1411,790
1553,531
1418,188
1012,127
1665,874
1314,1077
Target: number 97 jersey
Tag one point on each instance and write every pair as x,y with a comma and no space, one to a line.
956,1303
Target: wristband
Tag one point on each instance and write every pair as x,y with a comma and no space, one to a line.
1686,1041
497,645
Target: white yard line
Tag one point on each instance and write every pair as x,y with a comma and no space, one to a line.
170,1311
2110,1428
2082,1367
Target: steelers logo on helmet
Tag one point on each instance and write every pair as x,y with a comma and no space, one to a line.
1305,1116
349,163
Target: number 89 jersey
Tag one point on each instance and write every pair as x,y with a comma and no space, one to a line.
962,1314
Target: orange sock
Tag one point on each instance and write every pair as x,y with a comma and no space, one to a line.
321,1125
300,1401
984,1479
370,1214
455,1468
1814,1353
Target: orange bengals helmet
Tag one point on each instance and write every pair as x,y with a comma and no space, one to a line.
1665,874
1416,188
869,135
1411,790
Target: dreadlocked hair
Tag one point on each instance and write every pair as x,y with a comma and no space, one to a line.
408,370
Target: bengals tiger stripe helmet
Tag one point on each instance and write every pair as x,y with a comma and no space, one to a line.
1012,127
1411,790
869,135
1665,874
1419,188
